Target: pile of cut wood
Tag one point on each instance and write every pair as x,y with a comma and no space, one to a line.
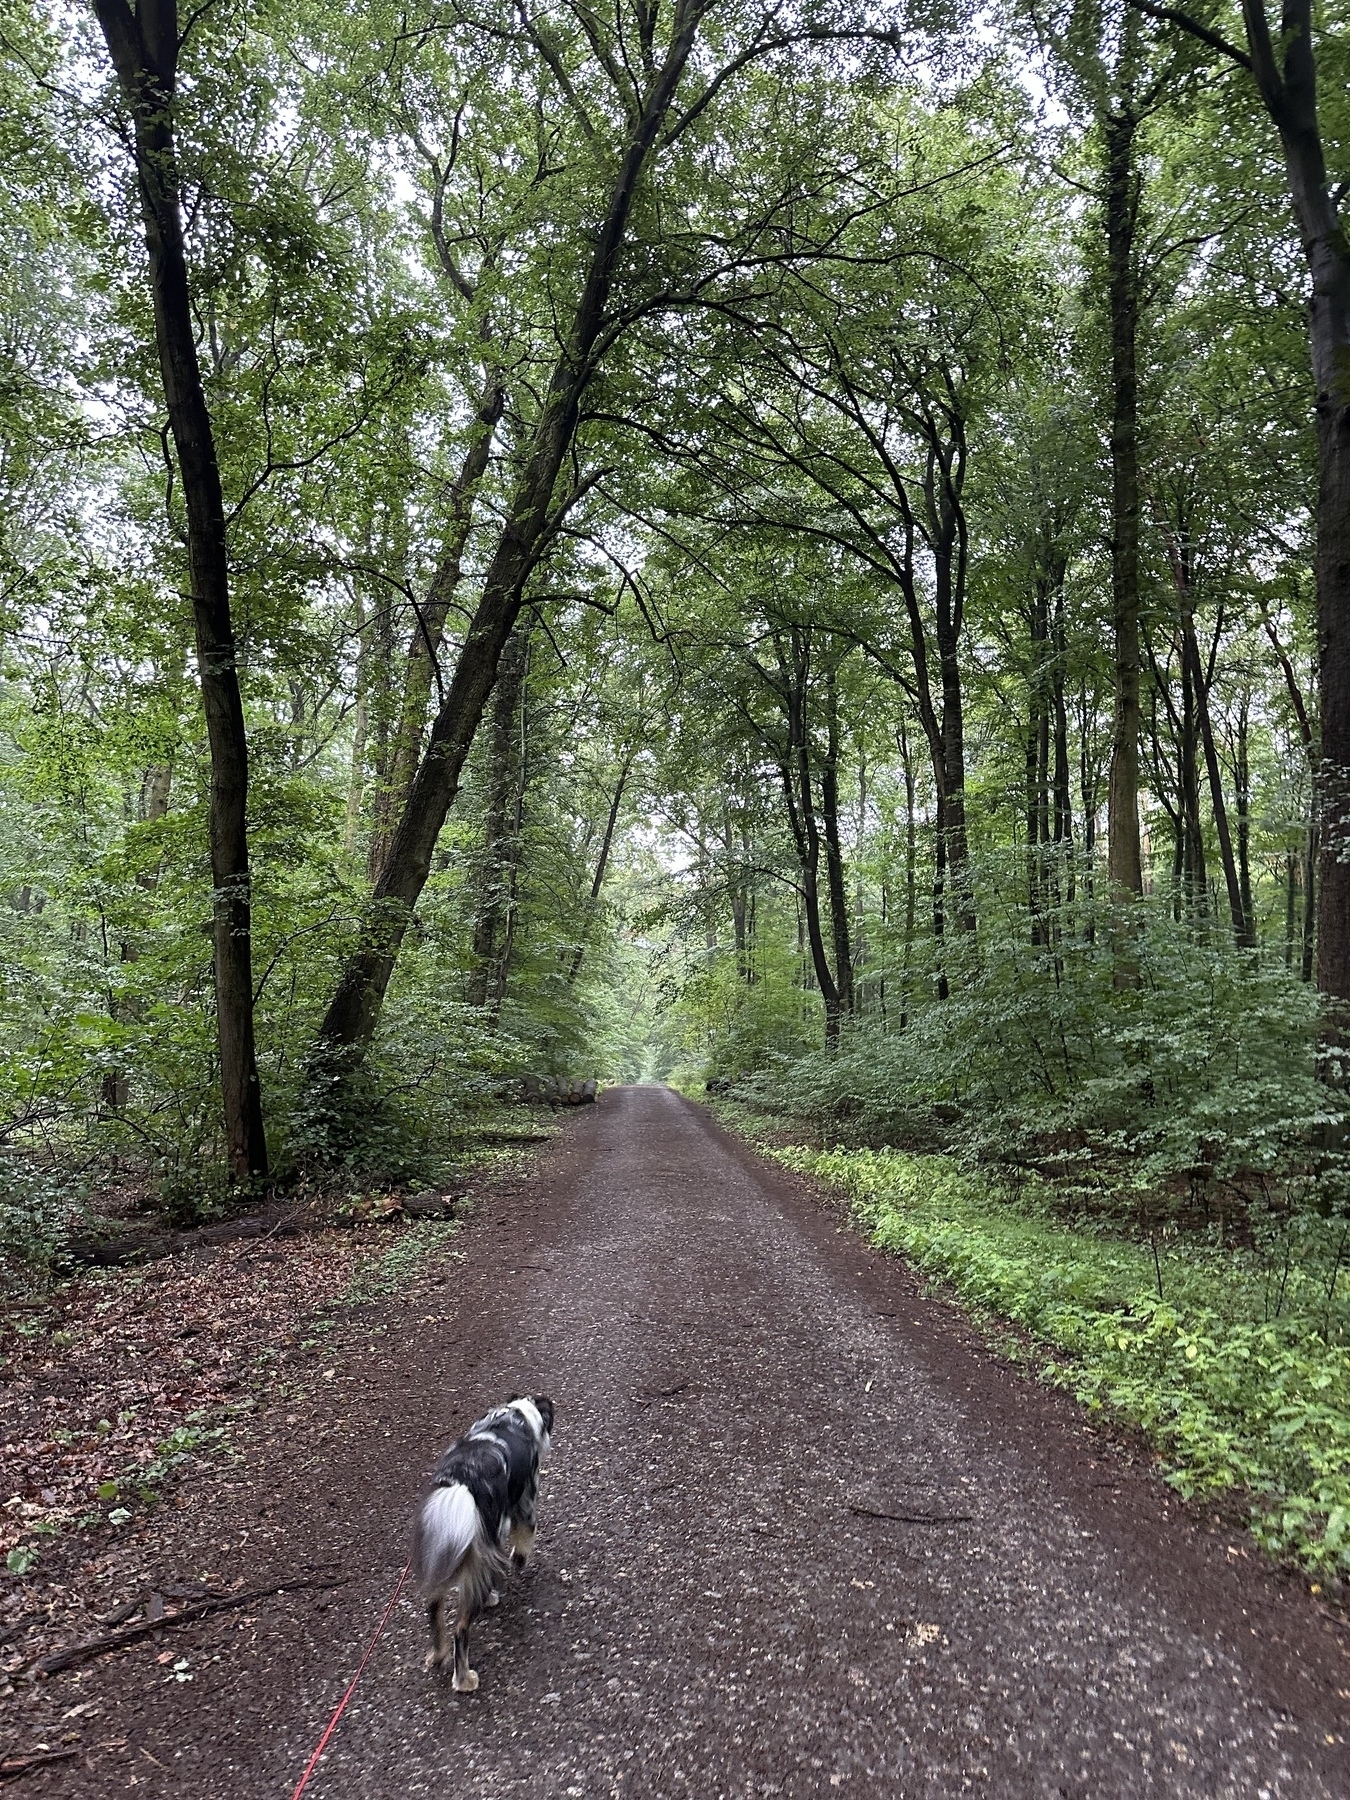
548,1090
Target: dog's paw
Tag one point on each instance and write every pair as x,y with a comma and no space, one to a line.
433,1661
466,1683
494,1598
518,1561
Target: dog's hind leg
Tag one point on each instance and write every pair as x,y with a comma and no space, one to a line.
465,1680
436,1656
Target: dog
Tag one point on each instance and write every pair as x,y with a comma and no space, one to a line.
478,1520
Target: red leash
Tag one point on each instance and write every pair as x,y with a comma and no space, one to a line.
332,1725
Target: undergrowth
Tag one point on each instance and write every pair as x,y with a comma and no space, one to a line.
1241,1377
388,1274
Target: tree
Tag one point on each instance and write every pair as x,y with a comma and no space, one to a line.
650,114
144,47
1283,67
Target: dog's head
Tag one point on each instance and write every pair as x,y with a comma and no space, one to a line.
537,1411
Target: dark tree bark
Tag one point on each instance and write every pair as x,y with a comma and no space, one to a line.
789,681
1309,741
911,865
1124,859
356,777
1045,813
944,494
1089,786
1239,893
796,774
1290,893
355,1007
494,917
1242,796
834,855
144,47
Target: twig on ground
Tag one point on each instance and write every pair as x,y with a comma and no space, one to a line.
15,1766
648,1395
866,1512
114,1640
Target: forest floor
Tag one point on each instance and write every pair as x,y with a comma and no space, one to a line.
802,1534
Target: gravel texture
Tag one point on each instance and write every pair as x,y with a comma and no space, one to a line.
715,1608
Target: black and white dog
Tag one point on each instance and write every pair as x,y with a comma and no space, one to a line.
479,1514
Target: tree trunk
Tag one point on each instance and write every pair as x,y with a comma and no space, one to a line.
356,778
949,561
834,856
1242,795
1194,880
1038,763
911,868
1124,859
1290,891
428,632
802,816
1239,902
598,880
355,1007
1310,926
493,930
1286,78
1089,776
738,893
144,51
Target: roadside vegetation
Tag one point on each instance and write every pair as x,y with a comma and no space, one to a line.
1235,1362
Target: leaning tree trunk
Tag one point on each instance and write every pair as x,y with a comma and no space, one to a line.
428,631
144,50
355,1007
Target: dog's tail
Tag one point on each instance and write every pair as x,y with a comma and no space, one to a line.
453,1550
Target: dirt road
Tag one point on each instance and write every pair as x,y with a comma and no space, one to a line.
801,1536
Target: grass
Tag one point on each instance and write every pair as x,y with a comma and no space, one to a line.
389,1273
1235,1363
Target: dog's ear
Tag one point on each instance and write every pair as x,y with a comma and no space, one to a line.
545,1406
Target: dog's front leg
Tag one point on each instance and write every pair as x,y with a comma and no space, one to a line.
522,1532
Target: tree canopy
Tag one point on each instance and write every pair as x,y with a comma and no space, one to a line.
801,546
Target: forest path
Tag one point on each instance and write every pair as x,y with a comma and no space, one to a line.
714,1610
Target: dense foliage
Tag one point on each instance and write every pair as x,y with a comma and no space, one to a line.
776,547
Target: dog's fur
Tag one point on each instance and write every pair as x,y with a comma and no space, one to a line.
478,1517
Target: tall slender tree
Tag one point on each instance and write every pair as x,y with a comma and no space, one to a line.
144,45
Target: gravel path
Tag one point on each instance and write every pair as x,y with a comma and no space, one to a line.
801,1535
